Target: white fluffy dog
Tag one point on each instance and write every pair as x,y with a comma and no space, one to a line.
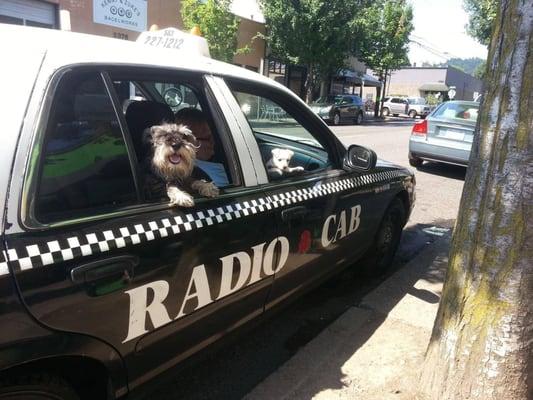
278,165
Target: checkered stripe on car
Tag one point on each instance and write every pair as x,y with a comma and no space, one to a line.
48,252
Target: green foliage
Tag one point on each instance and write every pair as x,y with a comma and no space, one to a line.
383,31
481,18
314,33
467,65
479,72
217,24
432,100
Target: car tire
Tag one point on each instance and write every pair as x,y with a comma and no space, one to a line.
412,114
385,112
336,119
37,387
359,118
415,161
379,256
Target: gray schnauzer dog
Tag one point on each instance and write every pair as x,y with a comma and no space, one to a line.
171,162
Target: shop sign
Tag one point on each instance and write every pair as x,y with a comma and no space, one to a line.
127,14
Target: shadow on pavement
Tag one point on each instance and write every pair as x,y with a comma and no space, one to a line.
247,358
445,170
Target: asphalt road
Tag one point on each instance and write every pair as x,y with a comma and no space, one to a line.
230,371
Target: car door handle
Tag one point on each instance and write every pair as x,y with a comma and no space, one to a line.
106,268
298,212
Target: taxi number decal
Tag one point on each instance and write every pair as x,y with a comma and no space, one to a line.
344,225
249,272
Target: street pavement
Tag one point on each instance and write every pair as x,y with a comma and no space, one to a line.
237,367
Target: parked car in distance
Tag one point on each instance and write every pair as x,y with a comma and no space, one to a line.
446,135
337,108
412,107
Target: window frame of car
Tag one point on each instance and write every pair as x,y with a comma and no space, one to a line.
303,115
140,74
29,160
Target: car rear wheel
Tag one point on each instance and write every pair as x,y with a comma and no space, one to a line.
379,256
385,112
37,387
359,118
415,161
336,119
412,114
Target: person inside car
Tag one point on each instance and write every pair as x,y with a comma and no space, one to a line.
196,121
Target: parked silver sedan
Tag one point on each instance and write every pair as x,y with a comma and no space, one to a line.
446,135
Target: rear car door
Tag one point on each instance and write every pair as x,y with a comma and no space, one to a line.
326,216
92,255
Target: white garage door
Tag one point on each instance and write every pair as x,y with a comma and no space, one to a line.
28,12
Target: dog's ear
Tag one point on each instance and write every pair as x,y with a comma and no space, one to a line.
275,153
188,135
147,136
289,153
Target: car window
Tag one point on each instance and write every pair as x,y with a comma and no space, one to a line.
460,111
275,128
85,166
181,100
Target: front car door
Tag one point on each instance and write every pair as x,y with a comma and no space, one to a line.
327,216
92,255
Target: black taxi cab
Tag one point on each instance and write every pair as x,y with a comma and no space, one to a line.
102,288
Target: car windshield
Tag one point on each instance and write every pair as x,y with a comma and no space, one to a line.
417,100
461,111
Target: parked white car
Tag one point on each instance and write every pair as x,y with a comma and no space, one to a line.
409,106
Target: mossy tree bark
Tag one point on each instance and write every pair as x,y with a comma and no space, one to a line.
482,341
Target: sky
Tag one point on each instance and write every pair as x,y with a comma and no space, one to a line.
439,24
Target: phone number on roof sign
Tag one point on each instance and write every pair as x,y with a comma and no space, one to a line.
164,42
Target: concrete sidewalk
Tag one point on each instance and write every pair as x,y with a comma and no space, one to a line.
373,351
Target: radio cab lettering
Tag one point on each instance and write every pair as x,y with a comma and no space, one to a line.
250,270
342,228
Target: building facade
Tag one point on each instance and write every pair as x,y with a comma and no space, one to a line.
422,81
121,19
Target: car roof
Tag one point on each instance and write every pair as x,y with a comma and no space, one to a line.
466,102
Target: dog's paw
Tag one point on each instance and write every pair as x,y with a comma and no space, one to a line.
206,189
298,169
179,198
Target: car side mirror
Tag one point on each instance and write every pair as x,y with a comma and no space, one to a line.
359,158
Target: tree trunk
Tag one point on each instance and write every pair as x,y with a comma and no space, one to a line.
324,87
482,341
309,84
378,101
377,105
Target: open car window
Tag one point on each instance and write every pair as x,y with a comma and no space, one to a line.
149,100
288,148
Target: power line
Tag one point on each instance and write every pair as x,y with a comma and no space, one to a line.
431,47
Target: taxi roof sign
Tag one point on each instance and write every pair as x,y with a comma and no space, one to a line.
172,38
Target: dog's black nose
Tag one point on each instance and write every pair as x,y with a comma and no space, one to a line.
176,146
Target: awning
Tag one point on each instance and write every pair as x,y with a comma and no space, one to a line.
434,87
369,80
358,78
